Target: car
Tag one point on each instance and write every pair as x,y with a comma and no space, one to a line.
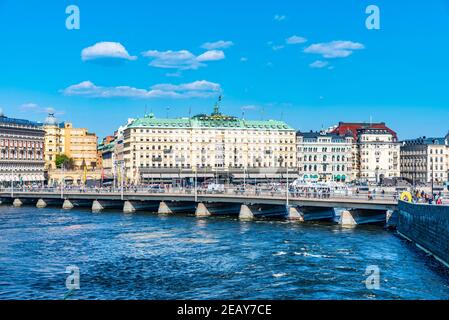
215,188
156,189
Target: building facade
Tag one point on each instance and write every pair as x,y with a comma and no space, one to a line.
21,151
106,150
213,142
425,159
325,156
376,152
76,143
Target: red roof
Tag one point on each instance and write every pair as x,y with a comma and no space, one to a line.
354,129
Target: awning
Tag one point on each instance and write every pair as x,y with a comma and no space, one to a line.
187,175
257,176
151,175
169,175
205,175
273,175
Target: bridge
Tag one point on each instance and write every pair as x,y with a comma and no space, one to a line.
356,209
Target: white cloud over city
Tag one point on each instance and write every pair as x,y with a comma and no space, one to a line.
295,40
217,45
319,64
279,17
182,60
106,50
196,89
334,49
32,107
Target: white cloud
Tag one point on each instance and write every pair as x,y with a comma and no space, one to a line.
274,46
334,49
279,17
197,89
217,45
182,60
103,50
212,55
172,59
35,108
319,64
295,40
193,86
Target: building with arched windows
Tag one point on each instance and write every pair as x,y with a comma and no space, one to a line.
376,152
425,159
325,156
21,151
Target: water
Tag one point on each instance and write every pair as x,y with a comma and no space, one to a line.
146,256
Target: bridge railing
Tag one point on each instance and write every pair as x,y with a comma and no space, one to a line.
228,191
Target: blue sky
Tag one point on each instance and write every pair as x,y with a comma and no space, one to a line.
174,56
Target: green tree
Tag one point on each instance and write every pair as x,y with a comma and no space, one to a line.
63,160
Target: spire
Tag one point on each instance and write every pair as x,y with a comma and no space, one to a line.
217,107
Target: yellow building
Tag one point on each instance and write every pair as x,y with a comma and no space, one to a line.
77,144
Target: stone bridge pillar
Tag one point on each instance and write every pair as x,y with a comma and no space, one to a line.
202,210
41,204
17,203
128,207
346,218
67,205
246,213
97,206
176,207
164,208
294,214
359,216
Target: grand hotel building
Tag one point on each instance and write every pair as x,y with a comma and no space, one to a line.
21,151
207,143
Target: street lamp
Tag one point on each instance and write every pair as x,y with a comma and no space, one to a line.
244,178
195,169
63,180
432,164
120,163
12,182
123,178
287,188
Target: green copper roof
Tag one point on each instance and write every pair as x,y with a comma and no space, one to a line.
214,121
108,147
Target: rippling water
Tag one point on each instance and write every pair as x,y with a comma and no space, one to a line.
146,256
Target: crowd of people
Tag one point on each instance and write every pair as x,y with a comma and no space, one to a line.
419,196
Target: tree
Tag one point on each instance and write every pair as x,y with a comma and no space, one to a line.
63,160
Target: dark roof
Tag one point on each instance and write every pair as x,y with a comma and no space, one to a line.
20,122
357,128
427,141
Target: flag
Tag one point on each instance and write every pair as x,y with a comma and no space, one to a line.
85,174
